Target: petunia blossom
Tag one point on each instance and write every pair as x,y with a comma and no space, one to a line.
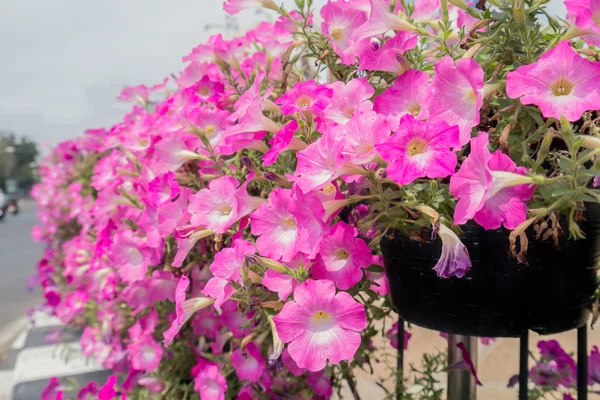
226,268
210,383
457,94
361,134
381,20
339,22
420,149
145,354
221,204
251,366
389,57
184,308
305,97
322,162
454,259
290,223
232,7
561,83
586,16
342,256
490,188
410,94
320,325
349,98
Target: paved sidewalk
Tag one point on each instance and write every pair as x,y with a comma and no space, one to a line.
26,368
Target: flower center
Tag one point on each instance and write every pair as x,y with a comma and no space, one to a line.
470,95
562,87
225,209
342,254
204,91
417,146
414,109
289,221
337,34
144,142
596,18
329,188
209,130
304,101
321,316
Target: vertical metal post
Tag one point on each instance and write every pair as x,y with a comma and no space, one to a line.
400,360
461,384
523,365
582,363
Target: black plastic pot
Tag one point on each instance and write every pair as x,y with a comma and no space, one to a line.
498,297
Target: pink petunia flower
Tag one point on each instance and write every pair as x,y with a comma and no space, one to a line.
322,162
251,366
281,283
490,188
162,189
561,83
145,354
410,94
454,260
221,204
392,335
320,325
389,57
339,22
290,364
226,268
361,134
320,384
381,20
349,98
305,97
342,256
232,7
585,14
283,140
290,223
594,365
420,149
457,94
210,383
184,308
379,283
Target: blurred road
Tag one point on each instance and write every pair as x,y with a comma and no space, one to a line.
18,258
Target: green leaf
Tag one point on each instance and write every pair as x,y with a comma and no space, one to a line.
567,165
375,268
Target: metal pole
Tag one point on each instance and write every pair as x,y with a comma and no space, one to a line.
461,385
523,365
582,363
400,360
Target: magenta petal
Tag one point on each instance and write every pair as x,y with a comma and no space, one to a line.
469,363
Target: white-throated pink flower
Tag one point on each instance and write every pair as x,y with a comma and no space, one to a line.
420,149
342,256
457,94
320,325
561,83
490,188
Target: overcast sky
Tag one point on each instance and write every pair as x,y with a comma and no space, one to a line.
63,62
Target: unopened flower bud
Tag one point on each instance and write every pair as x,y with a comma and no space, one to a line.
278,179
518,12
266,263
275,357
545,145
247,162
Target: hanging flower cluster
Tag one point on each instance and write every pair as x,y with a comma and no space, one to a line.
221,241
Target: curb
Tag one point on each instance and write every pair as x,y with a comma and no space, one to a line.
30,360
10,333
